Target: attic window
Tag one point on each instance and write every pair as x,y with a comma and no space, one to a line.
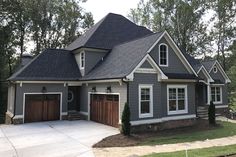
82,60
215,69
163,55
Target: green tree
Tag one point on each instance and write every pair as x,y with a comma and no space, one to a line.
181,18
224,29
126,120
211,114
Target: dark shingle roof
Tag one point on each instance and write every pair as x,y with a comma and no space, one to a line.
108,32
208,64
123,58
51,64
180,76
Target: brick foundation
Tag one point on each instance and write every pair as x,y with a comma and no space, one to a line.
64,117
8,118
163,125
17,120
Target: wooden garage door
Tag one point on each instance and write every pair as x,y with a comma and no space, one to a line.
104,109
42,107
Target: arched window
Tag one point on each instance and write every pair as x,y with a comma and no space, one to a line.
163,55
82,60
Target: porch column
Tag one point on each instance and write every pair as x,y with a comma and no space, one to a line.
208,94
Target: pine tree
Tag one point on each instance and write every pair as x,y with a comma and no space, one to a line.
126,120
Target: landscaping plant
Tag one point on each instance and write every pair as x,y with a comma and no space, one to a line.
211,114
126,120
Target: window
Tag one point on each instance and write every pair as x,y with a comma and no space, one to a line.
177,99
216,94
163,55
82,60
145,101
215,69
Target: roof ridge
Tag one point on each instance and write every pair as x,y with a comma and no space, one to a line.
143,37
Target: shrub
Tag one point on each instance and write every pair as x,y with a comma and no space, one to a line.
126,120
211,114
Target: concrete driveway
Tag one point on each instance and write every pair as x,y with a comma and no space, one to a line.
52,139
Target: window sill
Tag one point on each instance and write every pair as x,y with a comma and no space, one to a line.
218,102
146,115
163,65
177,112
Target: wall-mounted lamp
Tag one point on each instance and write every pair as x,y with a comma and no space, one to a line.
108,89
94,89
44,89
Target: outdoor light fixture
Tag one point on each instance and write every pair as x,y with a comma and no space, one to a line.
94,89
108,89
44,89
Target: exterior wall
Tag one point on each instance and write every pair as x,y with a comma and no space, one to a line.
202,76
201,94
224,96
174,63
92,58
217,75
101,88
146,65
159,96
37,88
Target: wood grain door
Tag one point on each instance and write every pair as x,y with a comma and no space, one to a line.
105,109
42,107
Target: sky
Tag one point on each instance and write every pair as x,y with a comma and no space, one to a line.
101,8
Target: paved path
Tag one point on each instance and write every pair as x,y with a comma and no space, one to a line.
145,150
52,139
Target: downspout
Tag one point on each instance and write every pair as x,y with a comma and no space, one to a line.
14,114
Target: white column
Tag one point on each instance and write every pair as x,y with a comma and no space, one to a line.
208,94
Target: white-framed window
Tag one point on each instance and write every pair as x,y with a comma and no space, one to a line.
215,69
82,60
177,99
145,100
216,94
163,55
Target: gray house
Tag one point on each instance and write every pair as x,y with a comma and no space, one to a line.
115,62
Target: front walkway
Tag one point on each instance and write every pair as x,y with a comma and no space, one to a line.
145,150
52,139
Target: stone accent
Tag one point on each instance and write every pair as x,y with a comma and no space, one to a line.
17,120
8,118
64,117
83,117
163,125
223,111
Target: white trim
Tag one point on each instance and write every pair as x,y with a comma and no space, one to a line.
103,93
167,55
84,113
227,80
179,80
221,106
185,99
18,117
80,58
60,93
130,76
209,78
146,71
159,120
215,69
150,86
221,95
64,113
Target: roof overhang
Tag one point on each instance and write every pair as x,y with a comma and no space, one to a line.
227,80
203,69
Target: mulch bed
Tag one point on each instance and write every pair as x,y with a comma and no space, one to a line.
120,140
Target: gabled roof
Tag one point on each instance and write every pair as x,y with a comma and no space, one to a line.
50,65
208,64
108,32
123,58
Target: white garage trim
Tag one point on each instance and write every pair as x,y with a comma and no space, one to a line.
59,93
102,93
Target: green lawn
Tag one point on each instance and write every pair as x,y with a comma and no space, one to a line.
223,130
206,152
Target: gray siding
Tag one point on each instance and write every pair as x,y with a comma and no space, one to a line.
217,76
101,88
92,58
146,65
159,96
37,88
175,64
202,76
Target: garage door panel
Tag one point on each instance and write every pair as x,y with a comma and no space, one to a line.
105,109
42,107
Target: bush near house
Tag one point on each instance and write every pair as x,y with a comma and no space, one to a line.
126,120
211,114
